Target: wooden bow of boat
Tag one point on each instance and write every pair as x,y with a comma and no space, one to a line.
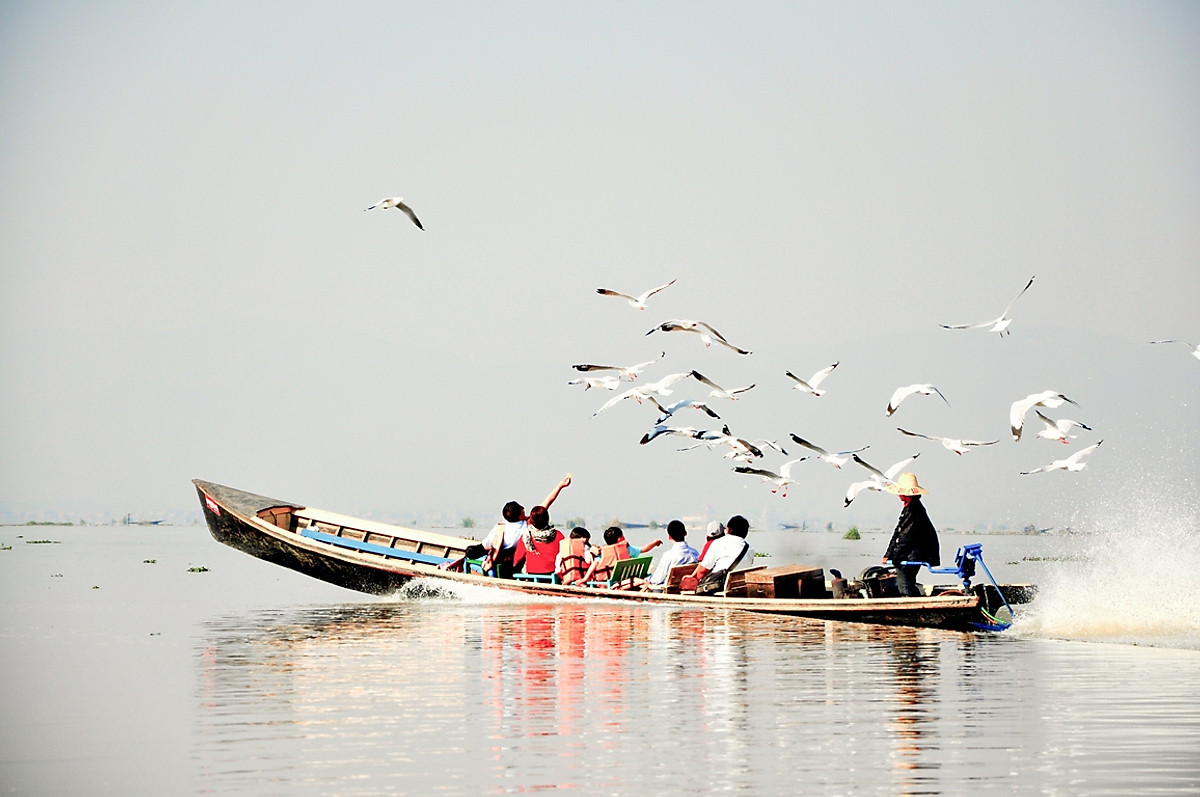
380,558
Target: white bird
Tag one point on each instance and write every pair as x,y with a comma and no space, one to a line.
602,382
740,447
667,412
1057,430
879,479
636,302
811,385
629,372
836,460
1073,463
659,430
398,203
718,391
996,324
902,393
1047,398
957,445
1194,347
659,388
706,332
781,480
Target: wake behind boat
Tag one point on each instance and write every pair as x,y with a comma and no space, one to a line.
380,558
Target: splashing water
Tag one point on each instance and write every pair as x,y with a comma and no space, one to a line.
1135,578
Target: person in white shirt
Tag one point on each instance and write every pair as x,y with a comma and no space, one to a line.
730,552
679,554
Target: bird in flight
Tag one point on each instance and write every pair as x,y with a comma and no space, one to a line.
1073,463
781,480
810,386
836,460
1047,398
1194,347
1057,430
878,480
996,324
629,372
398,203
636,302
706,332
956,445
902,393
718,391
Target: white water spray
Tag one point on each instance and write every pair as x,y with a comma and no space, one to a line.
1134,574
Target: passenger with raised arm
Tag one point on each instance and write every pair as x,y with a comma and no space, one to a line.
539,545
501,541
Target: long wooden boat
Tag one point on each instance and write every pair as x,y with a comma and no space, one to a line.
380,558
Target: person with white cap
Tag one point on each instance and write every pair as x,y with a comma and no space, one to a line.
716,530
914,540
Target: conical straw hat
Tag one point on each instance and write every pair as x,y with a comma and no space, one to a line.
906,485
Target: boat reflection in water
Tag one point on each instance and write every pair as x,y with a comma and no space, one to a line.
478,698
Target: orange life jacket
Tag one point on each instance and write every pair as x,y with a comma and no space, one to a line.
571,563
609,556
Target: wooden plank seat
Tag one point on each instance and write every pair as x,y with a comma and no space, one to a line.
370,547
625,572
676,575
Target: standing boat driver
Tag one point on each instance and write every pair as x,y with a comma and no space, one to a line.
914,540
501,541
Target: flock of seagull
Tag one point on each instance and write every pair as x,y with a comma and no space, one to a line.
748,453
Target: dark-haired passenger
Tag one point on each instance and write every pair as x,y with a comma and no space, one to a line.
501,541
678,554
539,545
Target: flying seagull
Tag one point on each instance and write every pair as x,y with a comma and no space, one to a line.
667,412
659,430
740,447
718,391
811,385
1057,430
1047,398
1073,463
996,324
660,388
1194,347
636,302
781,480
902,393
836,460
706,332
956,445
879,479
398,203
604,382
630,372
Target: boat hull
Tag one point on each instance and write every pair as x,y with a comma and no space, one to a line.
273,531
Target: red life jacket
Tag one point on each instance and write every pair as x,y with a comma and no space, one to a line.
572,564
609,556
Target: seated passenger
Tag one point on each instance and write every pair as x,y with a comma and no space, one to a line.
574,556
539,545
634,551
728,553
679,554
501,541
614,550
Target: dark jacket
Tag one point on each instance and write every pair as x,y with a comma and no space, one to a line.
914,539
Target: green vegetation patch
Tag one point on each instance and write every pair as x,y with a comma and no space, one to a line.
852,534
42,542
198,569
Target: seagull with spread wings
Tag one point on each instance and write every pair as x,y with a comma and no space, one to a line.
1057,430
660,388
629,372
1073,463
879,479
902,393
996,324
1047,398
1195,349
706,332
810,386
836,460
718,391
601,382
636,302
781,480
957,445
397,203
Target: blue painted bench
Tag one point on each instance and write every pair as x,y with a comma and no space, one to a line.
370,547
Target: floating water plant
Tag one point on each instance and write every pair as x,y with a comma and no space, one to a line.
198,569
42,542
149,561
852,534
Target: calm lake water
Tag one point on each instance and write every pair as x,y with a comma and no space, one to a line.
124,676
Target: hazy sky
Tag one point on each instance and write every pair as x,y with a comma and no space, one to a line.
189,286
